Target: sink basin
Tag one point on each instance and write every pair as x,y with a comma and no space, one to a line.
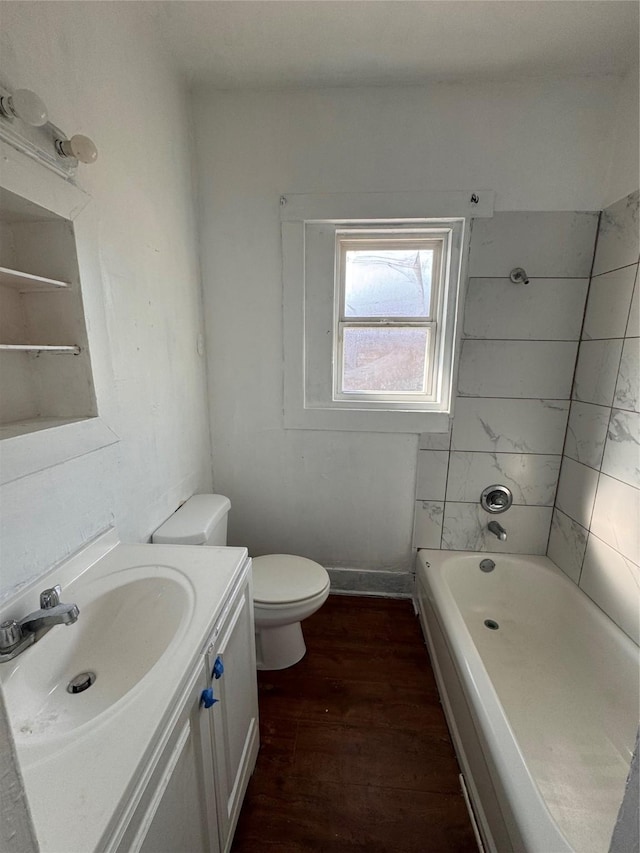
127,623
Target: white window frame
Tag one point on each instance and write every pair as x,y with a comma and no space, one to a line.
389,238
310,227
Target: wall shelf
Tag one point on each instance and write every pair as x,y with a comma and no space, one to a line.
48,410
73,350
26,282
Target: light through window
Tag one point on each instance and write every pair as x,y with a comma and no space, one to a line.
386,315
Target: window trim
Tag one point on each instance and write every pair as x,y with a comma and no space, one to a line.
297,212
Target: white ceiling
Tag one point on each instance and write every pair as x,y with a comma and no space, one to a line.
235,44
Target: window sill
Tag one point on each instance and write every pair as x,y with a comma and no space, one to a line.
366,421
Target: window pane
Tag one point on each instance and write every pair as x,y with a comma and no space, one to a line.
388,282
384,360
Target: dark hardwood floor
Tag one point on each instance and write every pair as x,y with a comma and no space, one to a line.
355,752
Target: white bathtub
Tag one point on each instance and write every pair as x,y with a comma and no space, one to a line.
543,711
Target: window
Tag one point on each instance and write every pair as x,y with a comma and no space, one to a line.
386,326
371,308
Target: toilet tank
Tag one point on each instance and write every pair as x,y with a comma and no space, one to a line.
202,520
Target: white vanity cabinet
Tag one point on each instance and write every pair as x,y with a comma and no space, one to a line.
189,798
231,664
174,812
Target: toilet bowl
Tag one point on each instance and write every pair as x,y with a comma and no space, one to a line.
286,588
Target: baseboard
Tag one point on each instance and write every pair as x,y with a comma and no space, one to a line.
371,582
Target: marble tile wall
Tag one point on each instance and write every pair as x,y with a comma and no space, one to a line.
518,357
595,530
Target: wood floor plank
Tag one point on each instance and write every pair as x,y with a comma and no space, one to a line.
277,746
386,758
374,661
358,703
355,754
352,618
308,816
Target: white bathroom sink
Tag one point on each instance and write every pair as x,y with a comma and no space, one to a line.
146,615
128,621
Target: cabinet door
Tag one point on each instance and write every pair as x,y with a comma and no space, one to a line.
235,717
179,824
177,813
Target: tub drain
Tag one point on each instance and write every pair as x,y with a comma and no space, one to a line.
81,682
490,623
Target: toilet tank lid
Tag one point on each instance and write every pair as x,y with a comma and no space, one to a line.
192,523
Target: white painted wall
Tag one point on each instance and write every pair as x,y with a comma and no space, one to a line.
100,72
623,162
346,499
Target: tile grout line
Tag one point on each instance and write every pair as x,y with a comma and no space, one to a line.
591,468
613,548
446,488
571,388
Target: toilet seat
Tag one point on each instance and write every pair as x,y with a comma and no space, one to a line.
286,579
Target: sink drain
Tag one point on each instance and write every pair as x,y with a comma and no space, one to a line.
81,682
492,624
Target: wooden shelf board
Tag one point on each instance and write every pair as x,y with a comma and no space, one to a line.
26,282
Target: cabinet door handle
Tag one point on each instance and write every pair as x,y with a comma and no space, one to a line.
207,698
218,668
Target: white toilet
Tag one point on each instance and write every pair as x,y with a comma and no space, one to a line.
286,589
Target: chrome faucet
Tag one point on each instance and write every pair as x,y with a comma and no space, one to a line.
498,530
15,636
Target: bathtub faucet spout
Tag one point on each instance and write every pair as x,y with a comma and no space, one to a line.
498,530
